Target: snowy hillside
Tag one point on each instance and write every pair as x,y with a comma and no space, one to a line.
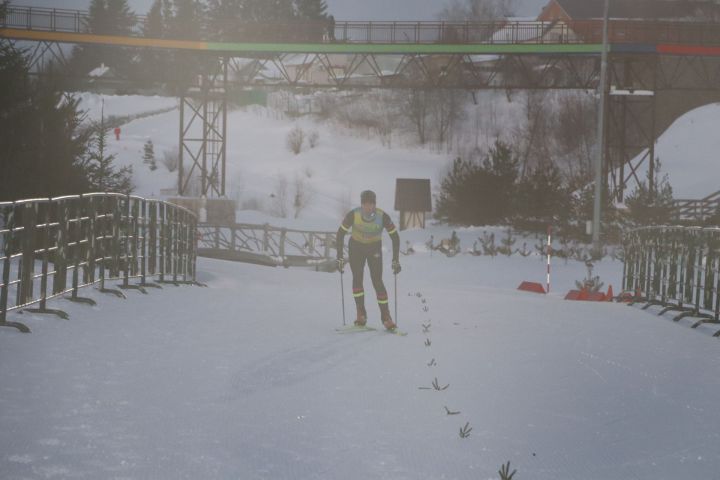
688,151
248,379
342,165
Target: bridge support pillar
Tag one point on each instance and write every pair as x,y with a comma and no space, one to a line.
203,135
631,124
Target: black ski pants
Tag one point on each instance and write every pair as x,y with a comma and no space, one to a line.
371,254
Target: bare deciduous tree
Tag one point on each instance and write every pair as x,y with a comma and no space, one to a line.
477,10
314,139
279,197
295,140
303,195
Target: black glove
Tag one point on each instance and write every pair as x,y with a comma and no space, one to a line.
396,268
341,264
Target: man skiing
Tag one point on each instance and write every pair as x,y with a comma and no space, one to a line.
365,224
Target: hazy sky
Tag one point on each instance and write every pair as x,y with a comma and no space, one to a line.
342,9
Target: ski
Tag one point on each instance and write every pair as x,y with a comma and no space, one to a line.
397,332
355,329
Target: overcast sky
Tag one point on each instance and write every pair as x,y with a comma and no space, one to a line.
342,9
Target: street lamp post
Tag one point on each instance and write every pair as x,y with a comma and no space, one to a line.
600,159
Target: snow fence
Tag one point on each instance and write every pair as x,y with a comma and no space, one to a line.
677,268
52,247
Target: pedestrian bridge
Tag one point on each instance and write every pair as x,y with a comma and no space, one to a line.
268,245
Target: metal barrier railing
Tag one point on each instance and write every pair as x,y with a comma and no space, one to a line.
677,268
697,210
54,247
278,246
404,32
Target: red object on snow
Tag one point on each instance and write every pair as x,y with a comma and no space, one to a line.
609,295
531,287
585,296
573,295
117,133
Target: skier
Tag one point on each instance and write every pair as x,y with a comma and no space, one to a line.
366,224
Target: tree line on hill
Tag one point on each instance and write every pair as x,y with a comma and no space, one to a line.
494,190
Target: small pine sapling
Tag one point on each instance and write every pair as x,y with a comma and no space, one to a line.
590,284
488,244
507,243
149,155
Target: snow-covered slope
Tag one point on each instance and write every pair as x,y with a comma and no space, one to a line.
248,379
343,165
335,171
688,152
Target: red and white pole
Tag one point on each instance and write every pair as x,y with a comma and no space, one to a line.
549,255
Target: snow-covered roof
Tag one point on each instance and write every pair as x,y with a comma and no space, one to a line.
100,71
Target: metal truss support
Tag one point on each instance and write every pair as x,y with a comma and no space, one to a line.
451,71
632,125
203,135
44,55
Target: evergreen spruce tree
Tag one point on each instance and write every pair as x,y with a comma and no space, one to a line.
311,9
544,198
474,193
154,26
318,26
225,19
105,17
186,23
167,15
651,202
153,62
40,138
149,155
268,10
103,176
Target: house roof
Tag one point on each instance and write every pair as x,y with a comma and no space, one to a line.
413,195
645,9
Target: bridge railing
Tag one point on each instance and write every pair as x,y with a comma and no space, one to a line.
388,32
697,210
54,247
677,268
267,244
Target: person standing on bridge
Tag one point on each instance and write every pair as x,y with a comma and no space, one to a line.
365,224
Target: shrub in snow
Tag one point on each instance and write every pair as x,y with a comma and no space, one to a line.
171,159
295,140
251,204
279,197
507,244
591,283
303,195
488,244
314,139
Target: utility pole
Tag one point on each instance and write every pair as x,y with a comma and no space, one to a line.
600,160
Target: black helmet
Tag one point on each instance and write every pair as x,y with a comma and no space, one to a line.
368,196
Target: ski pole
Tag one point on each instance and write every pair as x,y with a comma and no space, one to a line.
342,295
396,317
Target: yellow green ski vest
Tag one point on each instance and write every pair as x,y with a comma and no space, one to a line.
367,232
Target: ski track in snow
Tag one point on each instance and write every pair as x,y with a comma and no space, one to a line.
248,379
